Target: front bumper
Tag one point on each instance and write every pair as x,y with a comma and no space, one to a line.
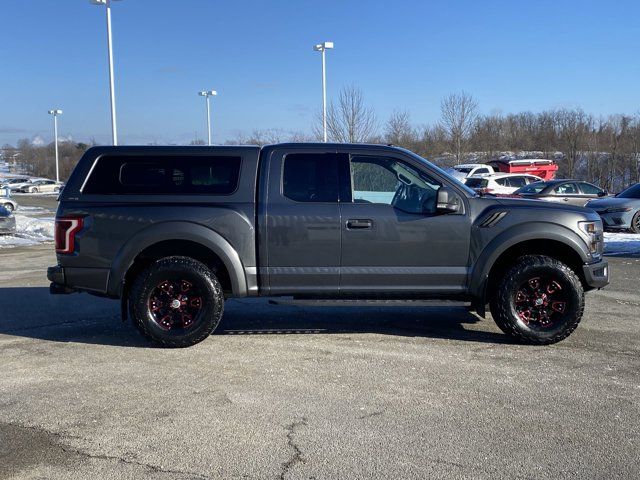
596,275
616,220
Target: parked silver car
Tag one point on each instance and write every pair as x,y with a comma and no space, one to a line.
621,212
571,192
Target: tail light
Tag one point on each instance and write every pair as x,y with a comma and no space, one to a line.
65,235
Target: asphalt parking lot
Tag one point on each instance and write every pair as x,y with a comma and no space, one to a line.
304,392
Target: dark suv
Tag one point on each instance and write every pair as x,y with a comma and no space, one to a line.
173,231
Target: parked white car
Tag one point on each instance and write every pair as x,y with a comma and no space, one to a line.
14,184
468,169
41,186
500,183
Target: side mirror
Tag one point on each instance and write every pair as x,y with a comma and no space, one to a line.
448,201
603,193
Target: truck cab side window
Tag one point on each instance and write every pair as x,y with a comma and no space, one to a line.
310,177
388,181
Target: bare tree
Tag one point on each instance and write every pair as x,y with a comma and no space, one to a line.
399,131
459,112
350,120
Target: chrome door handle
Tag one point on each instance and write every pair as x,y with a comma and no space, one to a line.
359,224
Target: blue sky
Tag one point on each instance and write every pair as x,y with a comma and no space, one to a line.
511,55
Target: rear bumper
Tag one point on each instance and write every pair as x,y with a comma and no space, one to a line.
72,279
597,274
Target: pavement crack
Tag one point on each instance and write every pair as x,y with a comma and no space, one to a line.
372,414
297,456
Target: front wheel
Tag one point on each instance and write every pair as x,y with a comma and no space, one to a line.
540,300
8,206
635,223
34,190
176,302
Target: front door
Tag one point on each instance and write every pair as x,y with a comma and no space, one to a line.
300,240
394,242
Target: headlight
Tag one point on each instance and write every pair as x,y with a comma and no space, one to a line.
596,238
618,209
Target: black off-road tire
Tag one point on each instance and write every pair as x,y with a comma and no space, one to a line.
503,304
635,223
176,269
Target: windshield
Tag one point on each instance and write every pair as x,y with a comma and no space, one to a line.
450,178
535,187
632,192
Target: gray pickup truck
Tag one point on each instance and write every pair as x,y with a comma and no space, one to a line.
174,231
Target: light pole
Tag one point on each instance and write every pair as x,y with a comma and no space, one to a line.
112,94
55,113
206,94
322,47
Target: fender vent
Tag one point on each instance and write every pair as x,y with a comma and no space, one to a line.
492,219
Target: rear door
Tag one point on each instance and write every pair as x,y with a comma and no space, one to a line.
300,239
393,240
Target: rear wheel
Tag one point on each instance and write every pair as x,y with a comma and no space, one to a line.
540,300
176,302
635,223
8,206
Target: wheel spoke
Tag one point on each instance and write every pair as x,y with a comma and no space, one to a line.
175,304
540,301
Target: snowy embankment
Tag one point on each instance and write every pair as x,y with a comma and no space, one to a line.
621,244
30,230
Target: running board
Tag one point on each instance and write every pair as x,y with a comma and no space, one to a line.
370,303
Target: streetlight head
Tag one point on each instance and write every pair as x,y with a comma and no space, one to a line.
55,112
320,47
98,2
212,92
202,94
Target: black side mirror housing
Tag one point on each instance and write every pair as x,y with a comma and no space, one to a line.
602,193
448,201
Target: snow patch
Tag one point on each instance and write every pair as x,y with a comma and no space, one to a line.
621,243
29,231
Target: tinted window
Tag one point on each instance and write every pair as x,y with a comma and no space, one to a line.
503,182
392,182
481,171
566,189
310,177
589,189
177,175
517,181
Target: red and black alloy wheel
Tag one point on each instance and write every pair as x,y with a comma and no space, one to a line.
176,301
541,301
175,304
